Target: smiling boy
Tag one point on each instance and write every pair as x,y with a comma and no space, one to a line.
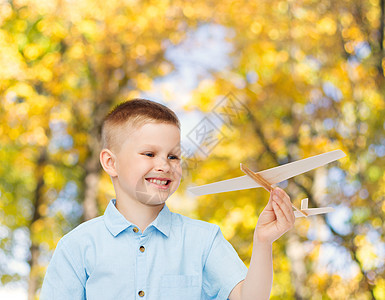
139,249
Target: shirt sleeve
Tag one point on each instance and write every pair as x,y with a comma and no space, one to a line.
64,278
223,269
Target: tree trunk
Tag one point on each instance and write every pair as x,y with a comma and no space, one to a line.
33,281
296,254
90,205
92,164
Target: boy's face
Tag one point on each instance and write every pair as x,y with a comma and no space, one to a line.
148,164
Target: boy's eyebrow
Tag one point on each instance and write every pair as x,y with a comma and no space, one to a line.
149,145
174,149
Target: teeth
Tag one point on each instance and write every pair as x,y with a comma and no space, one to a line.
160,182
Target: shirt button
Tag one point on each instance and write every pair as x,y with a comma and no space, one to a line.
135,229
141,294
141,249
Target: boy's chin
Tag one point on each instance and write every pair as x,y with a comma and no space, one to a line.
153,199
155,202
150,194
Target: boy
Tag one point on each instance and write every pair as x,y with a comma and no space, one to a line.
139,249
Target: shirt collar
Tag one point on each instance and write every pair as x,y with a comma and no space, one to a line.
163,221
116,222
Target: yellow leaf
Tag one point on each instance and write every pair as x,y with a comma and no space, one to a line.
327,25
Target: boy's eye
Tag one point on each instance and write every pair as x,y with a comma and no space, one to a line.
173,157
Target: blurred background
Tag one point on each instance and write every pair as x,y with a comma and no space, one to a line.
268,82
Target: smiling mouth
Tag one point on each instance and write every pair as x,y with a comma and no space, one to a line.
160,183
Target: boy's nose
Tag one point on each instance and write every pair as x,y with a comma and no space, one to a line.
162,165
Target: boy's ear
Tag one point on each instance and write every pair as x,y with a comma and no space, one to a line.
107,160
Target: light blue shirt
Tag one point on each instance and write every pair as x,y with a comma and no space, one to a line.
174,258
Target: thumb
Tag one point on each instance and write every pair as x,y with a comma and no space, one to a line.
269,205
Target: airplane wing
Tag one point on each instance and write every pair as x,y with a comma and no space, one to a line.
314,211
273,176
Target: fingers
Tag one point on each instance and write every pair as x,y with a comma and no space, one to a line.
279,213
269,205
282,206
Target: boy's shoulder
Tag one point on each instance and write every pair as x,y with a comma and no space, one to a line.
87,228
96,228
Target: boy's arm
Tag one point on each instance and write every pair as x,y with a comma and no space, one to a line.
277,218
64,278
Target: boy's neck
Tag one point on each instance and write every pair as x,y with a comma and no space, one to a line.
137,213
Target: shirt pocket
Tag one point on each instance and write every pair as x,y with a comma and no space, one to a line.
187,287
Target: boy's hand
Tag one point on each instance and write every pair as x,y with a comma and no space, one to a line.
277,218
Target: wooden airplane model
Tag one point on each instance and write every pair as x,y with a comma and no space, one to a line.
268,178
